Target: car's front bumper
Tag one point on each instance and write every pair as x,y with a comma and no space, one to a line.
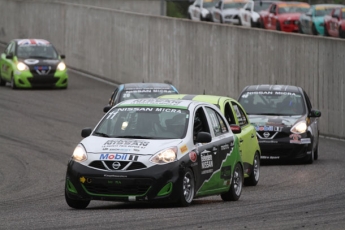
286,148
28,79
159,182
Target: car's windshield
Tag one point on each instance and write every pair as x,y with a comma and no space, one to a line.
322,12
144,93
263,6
293,9
144,123
37,51
209,4
273,102
234,5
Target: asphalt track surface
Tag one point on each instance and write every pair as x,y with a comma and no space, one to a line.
39,130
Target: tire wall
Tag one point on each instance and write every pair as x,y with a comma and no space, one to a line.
196,57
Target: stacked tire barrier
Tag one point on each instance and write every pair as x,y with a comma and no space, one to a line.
196,57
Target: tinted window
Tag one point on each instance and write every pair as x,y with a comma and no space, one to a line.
155,123
273,103
241,117
144,93
264,6
37,51
217,123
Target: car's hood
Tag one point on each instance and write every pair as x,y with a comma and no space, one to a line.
290,16
275,121
39,61
94,144
230,11
318,20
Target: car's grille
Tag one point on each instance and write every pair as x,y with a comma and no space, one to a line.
119,165
272,133
118,186
43,80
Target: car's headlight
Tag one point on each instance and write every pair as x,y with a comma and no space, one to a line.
299,127
61,66
165,156
79,154
21,66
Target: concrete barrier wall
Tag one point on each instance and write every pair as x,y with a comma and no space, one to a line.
195,57
151,7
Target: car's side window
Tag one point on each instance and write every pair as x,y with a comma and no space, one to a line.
229,114
273,9
12,48
240,114
200,122
307,101
8,49
218,124
113,96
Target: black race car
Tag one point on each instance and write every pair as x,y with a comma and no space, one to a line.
285,122
139,90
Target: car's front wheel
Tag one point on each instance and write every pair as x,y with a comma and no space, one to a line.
313,30
2,81
253,179
77,204
278,26
235,190
13,83
187,188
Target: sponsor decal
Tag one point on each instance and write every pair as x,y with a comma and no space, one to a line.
225,172
155,101
116,165
31,61
33,42
82,179
126,144
266,134
267,141
183,149
305,141
268,128
193,156
118,156
51,61
110,175
42,70
224,147
206,160
296,138
270,157
194,164
207,171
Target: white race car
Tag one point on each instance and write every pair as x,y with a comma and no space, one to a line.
227,11
156,150
200,10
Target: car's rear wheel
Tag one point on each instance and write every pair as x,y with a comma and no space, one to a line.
278,26
326,31
313,30
187,188
253,179
341,33
235,190
239,21
77,204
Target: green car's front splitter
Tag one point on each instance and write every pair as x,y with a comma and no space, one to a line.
25,79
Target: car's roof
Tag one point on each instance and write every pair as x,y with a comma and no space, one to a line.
292,3
213,99
235,1
146,85
286,88
161,102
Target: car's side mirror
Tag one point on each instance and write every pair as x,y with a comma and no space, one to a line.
86,132
236,129
9,56
62,56
203,137
106,108
315,113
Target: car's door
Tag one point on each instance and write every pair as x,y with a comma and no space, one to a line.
245,13
216,12
6,64
196,10
313,122
334,23
270,17
306,21
247,135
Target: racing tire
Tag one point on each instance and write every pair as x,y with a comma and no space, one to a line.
310,159
239,21
221,20
326,31
235,190
76,204
254,177
341,33
316,152
313,30
2,81
187,188
253,24
278,27
13,83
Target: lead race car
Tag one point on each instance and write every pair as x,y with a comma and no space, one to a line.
156,150
286,124
32,63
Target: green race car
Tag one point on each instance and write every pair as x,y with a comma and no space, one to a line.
235,115
312,22
32,63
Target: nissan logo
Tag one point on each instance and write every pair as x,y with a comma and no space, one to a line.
266,134
116,165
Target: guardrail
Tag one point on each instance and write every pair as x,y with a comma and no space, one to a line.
194,56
